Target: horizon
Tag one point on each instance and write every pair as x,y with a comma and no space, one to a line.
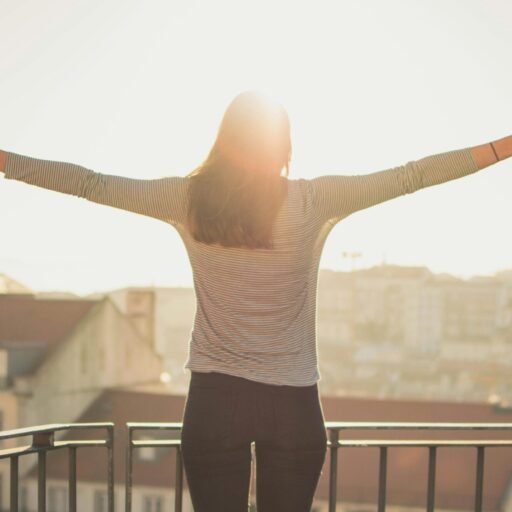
495,275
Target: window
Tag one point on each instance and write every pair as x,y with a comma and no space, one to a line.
152,504
147,453
83,356
150,453
100,501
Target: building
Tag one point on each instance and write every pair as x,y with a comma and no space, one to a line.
403,332
164,317
58,355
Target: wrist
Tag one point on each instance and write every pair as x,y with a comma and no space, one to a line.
503,147
3,160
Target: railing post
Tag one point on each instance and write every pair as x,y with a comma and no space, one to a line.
333,468
41,481
382,478
431,486
14,484
128,479
178,485
479,478
42,441
110,462
72,479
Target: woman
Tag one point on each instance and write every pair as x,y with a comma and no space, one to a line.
254,239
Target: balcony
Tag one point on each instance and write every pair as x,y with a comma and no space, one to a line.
383,438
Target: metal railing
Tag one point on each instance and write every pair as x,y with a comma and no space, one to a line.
43,441
334,444
153,443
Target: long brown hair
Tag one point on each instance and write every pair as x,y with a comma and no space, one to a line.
236,192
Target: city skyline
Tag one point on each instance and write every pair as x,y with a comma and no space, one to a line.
20,286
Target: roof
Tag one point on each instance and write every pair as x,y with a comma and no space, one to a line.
25,318
10,285
394,271
358,467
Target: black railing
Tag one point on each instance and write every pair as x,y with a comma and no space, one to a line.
334,444
153,443
43,441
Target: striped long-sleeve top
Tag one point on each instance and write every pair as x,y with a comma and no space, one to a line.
256,308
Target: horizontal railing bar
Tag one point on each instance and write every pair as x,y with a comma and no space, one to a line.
155,426
345,443
423,443
28,431
155,443
18,450
339,425
342,425
329,425
79,444
28,449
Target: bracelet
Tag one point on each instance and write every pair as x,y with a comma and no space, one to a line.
494,150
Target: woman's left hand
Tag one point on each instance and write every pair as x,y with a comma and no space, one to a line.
3,160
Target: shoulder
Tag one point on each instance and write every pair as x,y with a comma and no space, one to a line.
300,194
300,187
298,184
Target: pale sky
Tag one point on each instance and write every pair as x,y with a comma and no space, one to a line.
138,89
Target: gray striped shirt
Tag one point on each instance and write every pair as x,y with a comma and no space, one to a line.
256,308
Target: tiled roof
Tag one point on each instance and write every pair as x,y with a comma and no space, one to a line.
25,318
358,467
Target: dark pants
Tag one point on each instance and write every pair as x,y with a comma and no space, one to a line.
223,415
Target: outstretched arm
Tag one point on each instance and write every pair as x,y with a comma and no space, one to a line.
163,198
335,197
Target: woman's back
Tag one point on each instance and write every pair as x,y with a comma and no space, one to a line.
255,314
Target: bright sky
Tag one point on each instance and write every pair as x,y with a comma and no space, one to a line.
138,89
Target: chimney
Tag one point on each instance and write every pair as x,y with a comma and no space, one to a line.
140,308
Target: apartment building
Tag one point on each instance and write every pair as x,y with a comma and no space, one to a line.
58,355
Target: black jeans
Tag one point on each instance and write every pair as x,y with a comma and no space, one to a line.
223,415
